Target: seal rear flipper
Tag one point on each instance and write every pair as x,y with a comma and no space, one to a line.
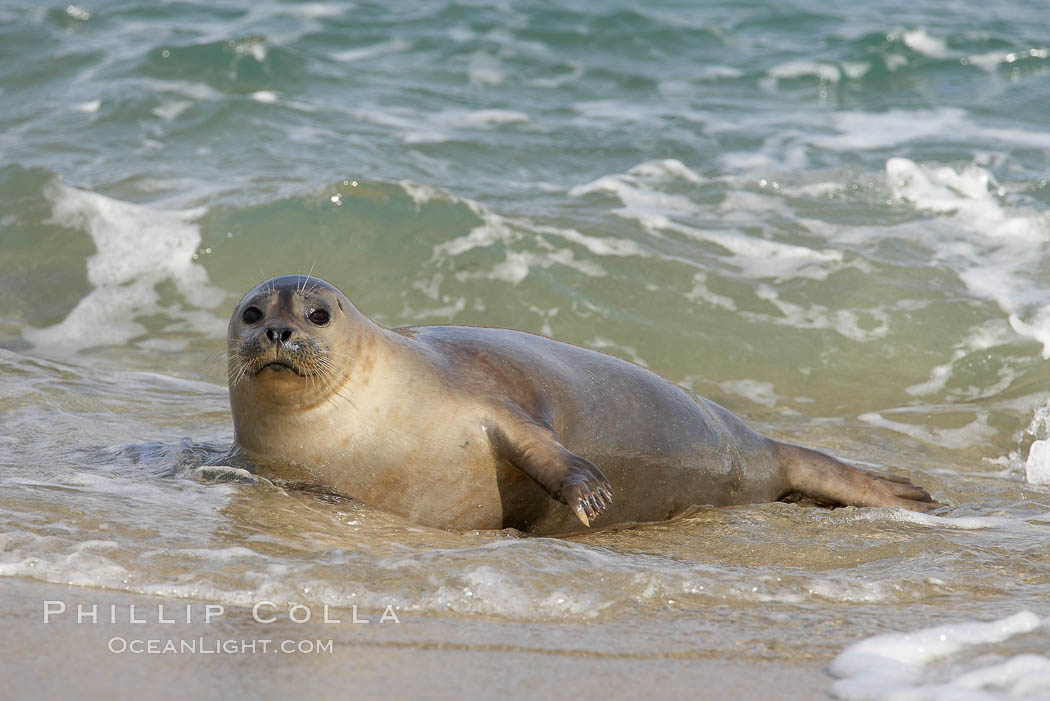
567,477
828,480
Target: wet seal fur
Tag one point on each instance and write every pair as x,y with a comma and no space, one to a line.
483,428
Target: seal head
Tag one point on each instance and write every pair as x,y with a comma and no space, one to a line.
287,330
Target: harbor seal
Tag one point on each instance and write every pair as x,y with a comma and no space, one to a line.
463,427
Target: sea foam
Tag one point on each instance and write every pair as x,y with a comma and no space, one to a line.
1037,466
896,665
137,247
990,246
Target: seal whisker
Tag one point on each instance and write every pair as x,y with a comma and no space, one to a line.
316,285
217,362
328,378
239,366
240,371
329,369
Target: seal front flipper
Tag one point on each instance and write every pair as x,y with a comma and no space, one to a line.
535,450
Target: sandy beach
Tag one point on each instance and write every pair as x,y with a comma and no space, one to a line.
419,658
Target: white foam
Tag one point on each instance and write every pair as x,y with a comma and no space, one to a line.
871,130
515,267
487,590
753,390
990,248
618,111
493,230
89,107
719,72
855,69
512,234
771,156
485,69
234,552
316,10
1037,466
894,61
990,62
650,207
1019,677
165,345
195,91
598,245
486,118
638,191
974,433
1039,430
919,40
940,189
700,291
620,349
437,127
820,190
575,72
877,130
962,523
421,194
799,69
264,96
254,47
987,335
852,590
892,665
170,110
75,569
847,322
666,168
137,247
461,34
643,193
363,53
78,13
765,259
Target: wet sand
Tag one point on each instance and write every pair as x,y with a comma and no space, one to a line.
422,656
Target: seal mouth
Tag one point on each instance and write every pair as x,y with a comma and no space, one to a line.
280,366
255,357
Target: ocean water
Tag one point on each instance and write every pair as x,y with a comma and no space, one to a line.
833,221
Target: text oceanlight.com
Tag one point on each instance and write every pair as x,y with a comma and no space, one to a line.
214,646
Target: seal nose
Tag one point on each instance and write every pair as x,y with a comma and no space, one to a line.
279,334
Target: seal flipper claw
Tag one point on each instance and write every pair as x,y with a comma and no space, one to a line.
567,477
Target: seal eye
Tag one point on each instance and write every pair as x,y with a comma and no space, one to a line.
319,317
251,315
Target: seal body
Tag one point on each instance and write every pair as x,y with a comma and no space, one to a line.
484,428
